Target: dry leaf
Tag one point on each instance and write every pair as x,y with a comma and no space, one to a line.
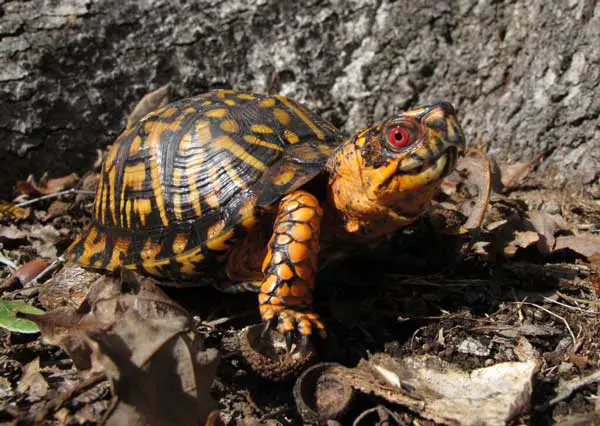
11,233
130,330
587,245
151,101
44,239
547,226
56,209
476,167
443,393
522,239
45,186
32,383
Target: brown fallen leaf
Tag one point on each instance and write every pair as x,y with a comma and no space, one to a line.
56,209
587,245
522,239
151,101
547,226
32,383
45,186
476,167
131,331
512,175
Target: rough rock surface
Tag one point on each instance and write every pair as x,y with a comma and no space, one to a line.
524,73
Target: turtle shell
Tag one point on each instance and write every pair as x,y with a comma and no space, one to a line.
176,186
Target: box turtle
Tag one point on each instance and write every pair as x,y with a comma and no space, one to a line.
247,191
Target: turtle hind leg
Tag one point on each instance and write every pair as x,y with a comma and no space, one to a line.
290,266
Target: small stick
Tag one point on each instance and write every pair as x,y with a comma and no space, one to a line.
575,308
54,195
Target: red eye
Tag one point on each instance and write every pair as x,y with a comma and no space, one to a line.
398,137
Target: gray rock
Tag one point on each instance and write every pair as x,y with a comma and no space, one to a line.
524,73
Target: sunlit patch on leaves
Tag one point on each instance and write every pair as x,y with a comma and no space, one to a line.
10,321
131,331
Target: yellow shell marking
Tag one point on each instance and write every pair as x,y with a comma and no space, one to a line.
257,141
136,144
142,208
189,260
261,128
92,248
133,177
112,198
203,131
281,116
177,204
179,243
155,130
225,142
234,176
284,177
216,113
267,103
230,126
246,96
148,255
290,136
119,252
318,132
229,102
219,243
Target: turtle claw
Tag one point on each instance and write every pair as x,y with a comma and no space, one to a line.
305,344
296,325
269,325
289,340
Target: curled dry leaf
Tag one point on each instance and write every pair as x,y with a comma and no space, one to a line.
151,101
476,166
443,393
129,329
547,226
469,188
46,186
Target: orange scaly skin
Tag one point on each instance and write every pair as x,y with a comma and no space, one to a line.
290,265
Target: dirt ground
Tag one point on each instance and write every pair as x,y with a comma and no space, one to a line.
524,286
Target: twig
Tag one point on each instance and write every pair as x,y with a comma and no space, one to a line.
576,299
54,195
573,385
556,316
575,308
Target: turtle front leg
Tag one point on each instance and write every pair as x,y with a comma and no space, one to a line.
290,267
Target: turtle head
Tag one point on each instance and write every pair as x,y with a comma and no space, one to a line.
394,168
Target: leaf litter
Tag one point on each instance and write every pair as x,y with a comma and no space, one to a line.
501,281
